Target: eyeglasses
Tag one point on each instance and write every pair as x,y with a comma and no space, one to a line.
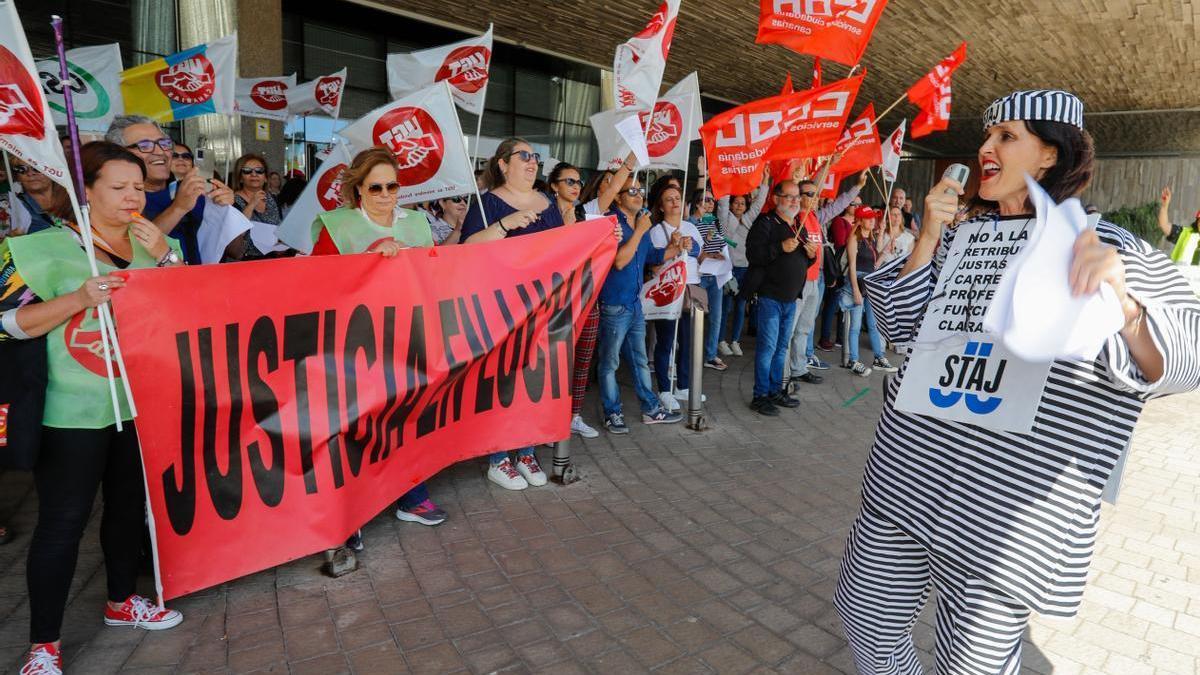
147,146
635,192
377,189
181,155
21,170
526,155
457,200
257,170
570,182
782,197
809,194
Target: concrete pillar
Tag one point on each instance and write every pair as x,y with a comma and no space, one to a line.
260,54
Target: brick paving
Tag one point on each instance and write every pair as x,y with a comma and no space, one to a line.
679,552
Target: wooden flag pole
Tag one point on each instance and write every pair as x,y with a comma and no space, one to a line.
889,109
876,183
819,181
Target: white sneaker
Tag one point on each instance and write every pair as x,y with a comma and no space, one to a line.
531,471
859,368
668,402
578,426
506,476
735,348
723,348
682,395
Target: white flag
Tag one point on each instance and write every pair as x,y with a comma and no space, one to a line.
26,124
265,97
891,152
662,295
94,76
422,130
323,94
323,193
465,65
639,62
690,86
666,133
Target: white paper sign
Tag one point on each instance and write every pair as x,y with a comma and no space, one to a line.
956,371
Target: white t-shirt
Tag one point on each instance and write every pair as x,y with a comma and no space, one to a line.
890,249
660,236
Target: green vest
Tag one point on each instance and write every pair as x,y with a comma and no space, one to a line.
52,264
1184,252
352,232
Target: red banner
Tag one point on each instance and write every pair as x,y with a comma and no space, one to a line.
814,127
832,29
859,145
932,94
273,424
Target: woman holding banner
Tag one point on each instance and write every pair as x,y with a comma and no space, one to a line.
49,290
674,336
367,223
990,491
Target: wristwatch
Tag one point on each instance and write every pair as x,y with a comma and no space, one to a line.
169,258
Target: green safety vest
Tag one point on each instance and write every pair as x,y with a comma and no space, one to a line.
52,264
352,232
1184,252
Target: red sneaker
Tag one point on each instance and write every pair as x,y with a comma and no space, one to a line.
141,612
43,659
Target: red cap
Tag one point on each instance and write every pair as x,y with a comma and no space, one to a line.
866,212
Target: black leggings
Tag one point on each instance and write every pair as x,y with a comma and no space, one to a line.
72,463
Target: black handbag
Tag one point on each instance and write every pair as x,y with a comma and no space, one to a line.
24,366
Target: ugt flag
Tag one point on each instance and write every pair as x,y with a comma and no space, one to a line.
265,97
323,193
890,153
194,82
423,132
465,65
639,62
668,129
831,29
323,95
859,145
932,94
94,77
26,126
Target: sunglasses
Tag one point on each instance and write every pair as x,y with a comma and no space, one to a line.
147,146
21,170
457,200
809,194
257,170
570,182
635,192
526,156
377,189
181,155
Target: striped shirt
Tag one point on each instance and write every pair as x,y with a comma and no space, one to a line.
1021,510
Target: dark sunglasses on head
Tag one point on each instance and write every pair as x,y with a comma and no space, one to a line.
21,170
181,155
526,155
257,170
808,194
635,192
147,146
571,182
377,189
457,200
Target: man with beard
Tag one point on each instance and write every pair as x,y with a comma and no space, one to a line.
779,264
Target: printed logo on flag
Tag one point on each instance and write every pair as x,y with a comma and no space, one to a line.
329,188
269,95
466,68
328,91
656,24
88,97
189,82
83,341
3,425
664,129
415,139
671,284
20,104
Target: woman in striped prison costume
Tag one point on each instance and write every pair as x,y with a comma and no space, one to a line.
983,483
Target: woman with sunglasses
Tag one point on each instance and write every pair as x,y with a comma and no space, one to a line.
449,214
716,269
368,222
46,202
182,161
250,196
993,499
674,335
598,196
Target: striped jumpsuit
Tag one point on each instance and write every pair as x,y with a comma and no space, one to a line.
1000,523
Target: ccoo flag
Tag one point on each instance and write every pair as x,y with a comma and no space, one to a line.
194,82
94,76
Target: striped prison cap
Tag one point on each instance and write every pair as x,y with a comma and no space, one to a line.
1044,105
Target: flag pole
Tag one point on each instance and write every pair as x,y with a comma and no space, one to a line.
819,182
890,107
475,151
876,183
234,120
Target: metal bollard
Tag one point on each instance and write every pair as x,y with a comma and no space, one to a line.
846,339
564,472
696,391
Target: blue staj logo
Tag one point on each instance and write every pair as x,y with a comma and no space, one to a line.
967,380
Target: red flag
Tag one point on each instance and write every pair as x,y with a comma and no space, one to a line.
829,189
932,94
833,29
787,86
859,145
275,426
816,72
813,127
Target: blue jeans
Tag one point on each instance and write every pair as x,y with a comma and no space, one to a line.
830,316
735,307
668,332
497,457
774,325
811,352
712,322
413,497
623,334
857,312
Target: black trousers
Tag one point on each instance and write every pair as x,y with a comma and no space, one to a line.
71,466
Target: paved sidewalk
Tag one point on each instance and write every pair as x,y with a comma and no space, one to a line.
679,552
